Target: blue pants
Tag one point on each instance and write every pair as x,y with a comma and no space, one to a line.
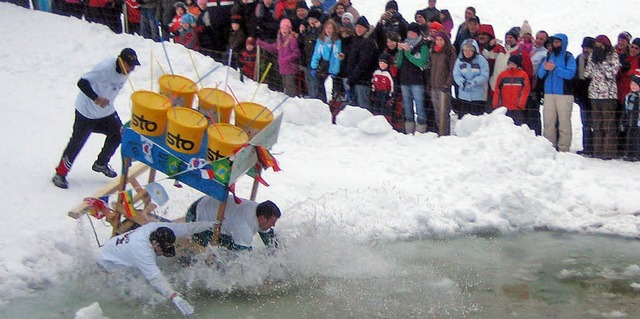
410,94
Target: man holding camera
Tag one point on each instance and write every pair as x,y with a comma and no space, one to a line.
391,20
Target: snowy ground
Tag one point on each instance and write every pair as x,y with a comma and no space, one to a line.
358,179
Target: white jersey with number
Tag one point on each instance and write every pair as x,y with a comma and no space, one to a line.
133,249
106,82
240,220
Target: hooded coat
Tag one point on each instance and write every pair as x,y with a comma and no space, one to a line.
472,77
558,81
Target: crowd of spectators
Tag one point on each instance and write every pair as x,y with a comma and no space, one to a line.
416,73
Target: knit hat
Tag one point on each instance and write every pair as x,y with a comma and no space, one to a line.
285,24
526,28
421,13
414,27
236,18
443,35
436,26
625,35
486,29
515,32
391,5
250,41
315,14
302,5
603,39
588,42
636,41
348,15
363,22
384,57
516,59
393,36
188,18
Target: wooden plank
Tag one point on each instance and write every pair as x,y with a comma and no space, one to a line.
78,211
216,228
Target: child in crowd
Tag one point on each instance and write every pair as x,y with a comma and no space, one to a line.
512,90
382,86
174,26
237,37
526,37
247,59
187,34
631,120
288,51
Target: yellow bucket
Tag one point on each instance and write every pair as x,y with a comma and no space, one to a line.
212,100
224,139
252,117
179,89
149,113
185,130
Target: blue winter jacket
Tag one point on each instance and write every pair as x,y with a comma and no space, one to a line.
328,51
558,81
472,78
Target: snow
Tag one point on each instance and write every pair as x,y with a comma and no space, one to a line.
358,179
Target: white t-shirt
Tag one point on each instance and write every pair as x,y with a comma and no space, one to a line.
133,249
106,82
240,220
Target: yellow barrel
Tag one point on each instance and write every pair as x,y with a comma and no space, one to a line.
212,100
252,117
185,130
149,113
224,139
179,89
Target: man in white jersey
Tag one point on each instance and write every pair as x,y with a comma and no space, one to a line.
138,248
95,113
241,221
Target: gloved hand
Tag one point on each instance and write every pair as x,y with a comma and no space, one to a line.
313,73
185,308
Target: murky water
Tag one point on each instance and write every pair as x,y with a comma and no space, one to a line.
526,275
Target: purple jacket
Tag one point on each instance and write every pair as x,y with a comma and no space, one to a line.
288,53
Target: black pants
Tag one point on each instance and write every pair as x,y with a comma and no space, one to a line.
111,126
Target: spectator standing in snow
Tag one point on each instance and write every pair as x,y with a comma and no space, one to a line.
361,62
581,95
443,56
631,120
325,60
95,113
471,74
186,34
558,71
382,86
602,67
512,90
412,58
391,20
288,51
247,59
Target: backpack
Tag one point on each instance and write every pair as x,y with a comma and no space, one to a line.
568,85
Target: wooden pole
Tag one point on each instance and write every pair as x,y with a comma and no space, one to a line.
216,228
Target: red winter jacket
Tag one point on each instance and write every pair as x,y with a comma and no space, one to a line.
512,89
